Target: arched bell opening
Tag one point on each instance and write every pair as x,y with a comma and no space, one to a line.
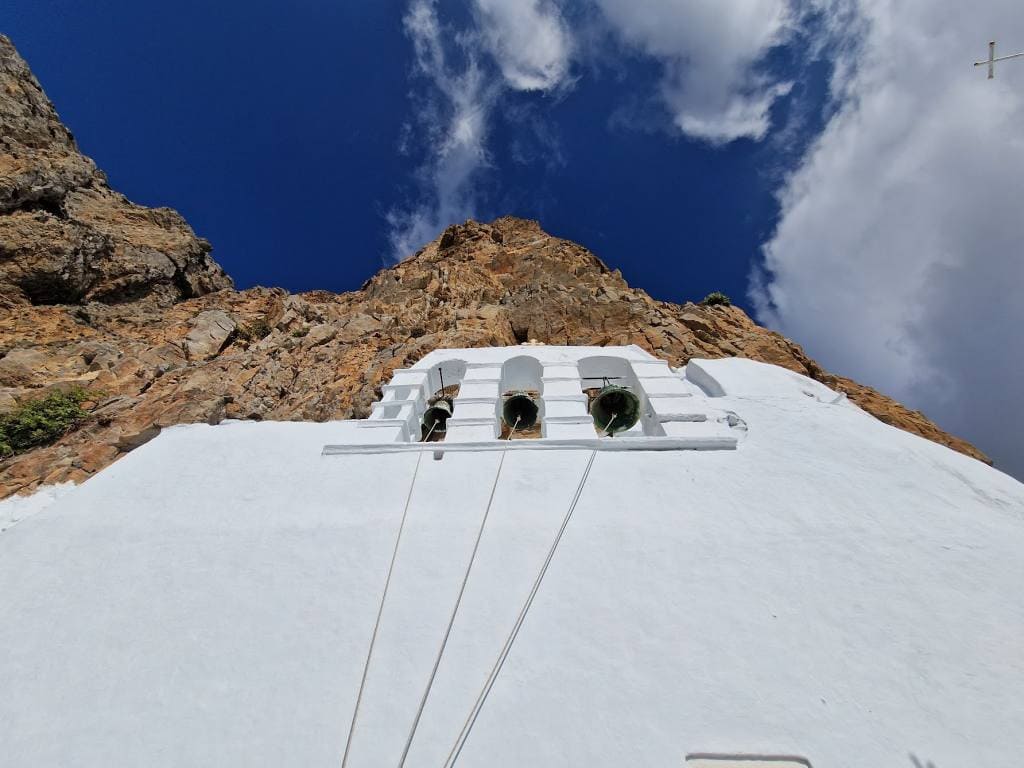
615,400
520,408
520,411
444,381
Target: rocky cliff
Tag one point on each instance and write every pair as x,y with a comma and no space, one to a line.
65,236
99,293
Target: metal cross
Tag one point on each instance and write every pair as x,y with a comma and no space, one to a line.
991,60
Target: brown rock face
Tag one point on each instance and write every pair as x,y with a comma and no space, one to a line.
164,350
65,237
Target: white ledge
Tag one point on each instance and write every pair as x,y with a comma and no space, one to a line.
378,423
582,418
705,443
665,418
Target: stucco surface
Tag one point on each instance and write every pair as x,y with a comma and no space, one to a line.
834,589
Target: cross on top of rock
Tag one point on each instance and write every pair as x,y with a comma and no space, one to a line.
992,59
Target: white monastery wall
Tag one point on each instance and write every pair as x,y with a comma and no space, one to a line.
830,589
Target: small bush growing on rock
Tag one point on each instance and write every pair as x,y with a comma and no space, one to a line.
40,422
717,299
254,331
298,333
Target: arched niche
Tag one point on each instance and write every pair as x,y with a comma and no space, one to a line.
444,380
593,371
522,373
616,369
452,372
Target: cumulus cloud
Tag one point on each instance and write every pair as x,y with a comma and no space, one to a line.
709,53
897,258
529,41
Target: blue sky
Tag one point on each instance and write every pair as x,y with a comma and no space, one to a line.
836,166
286,134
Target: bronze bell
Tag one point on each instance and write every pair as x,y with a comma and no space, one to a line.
615,409
436,416
521,406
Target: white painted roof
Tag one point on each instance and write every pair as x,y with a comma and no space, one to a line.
832,589
547,353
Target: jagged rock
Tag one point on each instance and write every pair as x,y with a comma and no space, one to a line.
40,163
695,322
477,285
318,335
127,441
65,236
358,325
210,332
18,367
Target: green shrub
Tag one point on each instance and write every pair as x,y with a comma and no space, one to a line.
717,299
298,333
40,422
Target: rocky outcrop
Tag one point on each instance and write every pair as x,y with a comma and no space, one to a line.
324,356
211,330
65,236
98,293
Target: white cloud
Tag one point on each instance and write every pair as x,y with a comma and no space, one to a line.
898,256
529,41
529,44
709,53
452,123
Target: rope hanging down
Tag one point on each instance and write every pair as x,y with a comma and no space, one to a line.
380,612
478,705
455,610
